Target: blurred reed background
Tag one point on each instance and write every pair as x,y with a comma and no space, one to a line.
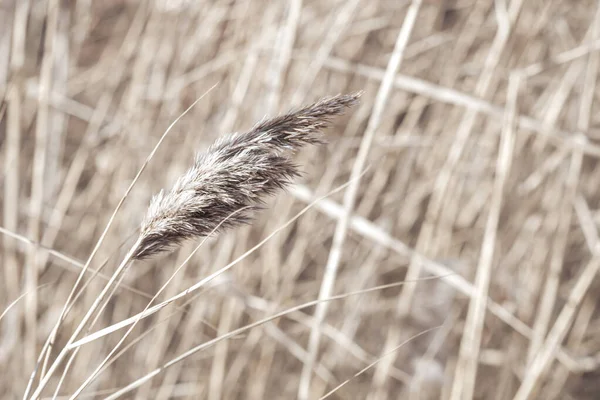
478,136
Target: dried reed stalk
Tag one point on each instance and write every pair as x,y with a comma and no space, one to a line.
222,188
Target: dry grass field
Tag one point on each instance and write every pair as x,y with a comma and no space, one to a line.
442,244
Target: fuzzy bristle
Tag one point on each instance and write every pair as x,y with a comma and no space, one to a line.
234,176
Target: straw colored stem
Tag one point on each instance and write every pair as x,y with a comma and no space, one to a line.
101,297
335,254
466,369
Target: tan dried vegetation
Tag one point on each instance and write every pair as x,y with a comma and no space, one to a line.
442,244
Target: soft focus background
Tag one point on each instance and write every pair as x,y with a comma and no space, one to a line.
482,169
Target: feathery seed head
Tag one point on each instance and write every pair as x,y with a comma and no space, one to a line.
237,171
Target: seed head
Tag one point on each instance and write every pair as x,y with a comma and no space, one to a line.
237,172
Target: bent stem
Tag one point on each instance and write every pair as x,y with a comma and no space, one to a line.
139,317
63,353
